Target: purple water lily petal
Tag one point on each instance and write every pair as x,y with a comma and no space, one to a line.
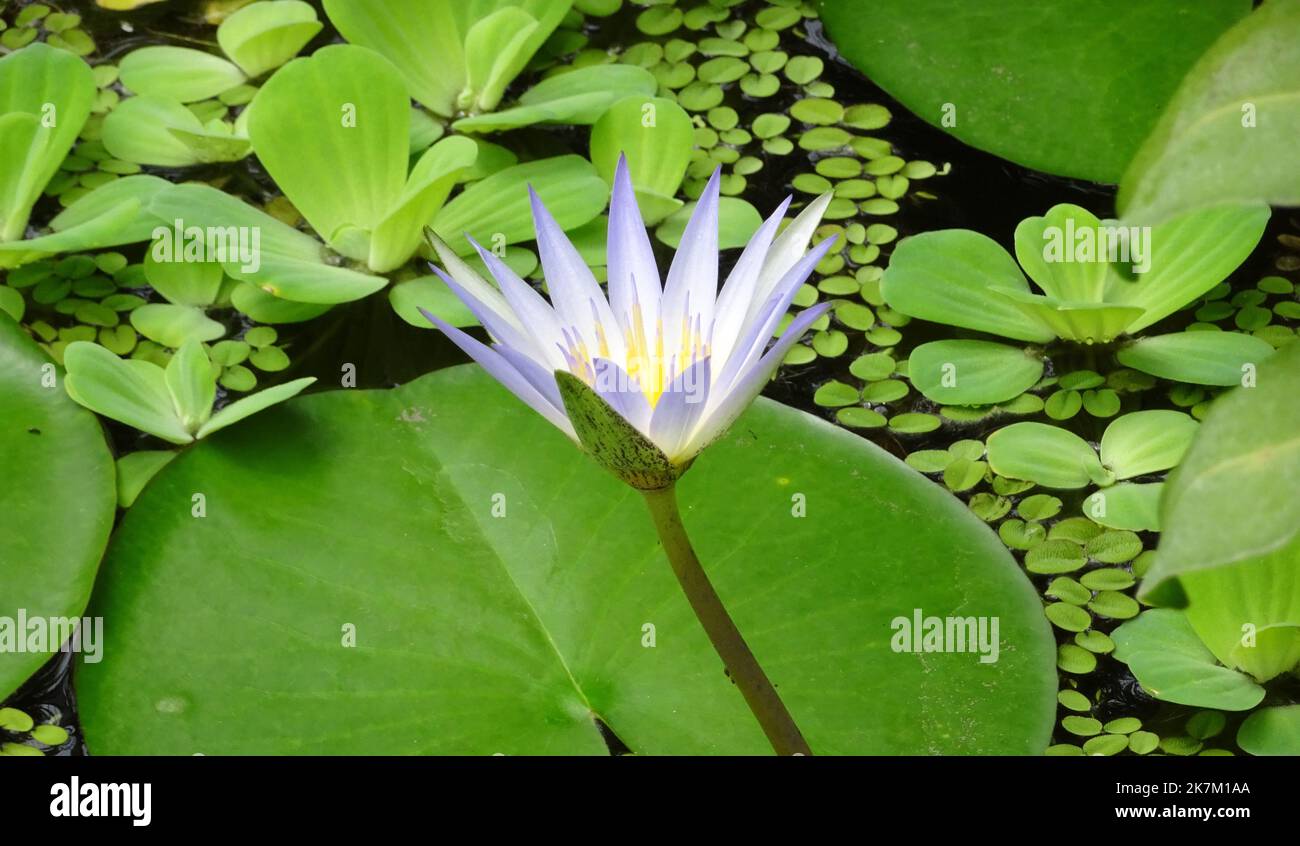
692,284
495,324
504,372
733,301
633,274
756,334
729,406
680,408
623,393
530,308
572,287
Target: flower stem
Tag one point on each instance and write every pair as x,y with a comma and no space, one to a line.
736,656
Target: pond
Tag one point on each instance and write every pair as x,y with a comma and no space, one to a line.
319,571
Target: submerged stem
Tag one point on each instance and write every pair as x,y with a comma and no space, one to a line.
743,668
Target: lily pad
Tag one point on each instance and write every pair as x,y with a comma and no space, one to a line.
1014,90
482,635
58,468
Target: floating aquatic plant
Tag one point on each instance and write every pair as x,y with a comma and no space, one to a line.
1133,445
643,381
173,403
456,58
965,279
45,97
1227,564
162,126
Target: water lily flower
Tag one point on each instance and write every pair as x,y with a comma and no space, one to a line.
676,363
647,378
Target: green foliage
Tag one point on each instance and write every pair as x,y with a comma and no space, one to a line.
19,724
172,403
1228,134
1271,731
656,136
291,272
456,58
154,130
577,97
1198,358
113,214
496,212
45,98
972,372
349,105
1220,507
520,643
58,500
262,36
1133,445
1067,88
182,74
737,222
1229,554
1172,664
1092,294
157,127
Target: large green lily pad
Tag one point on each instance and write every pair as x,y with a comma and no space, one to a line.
1069,88
503,591
57,500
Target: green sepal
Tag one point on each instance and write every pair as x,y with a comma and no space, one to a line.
614,442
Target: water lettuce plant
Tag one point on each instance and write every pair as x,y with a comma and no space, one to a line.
456,58
1100,281
1133,445
1227,563
1228,133
349,105
158,125
45,98
173,403
644,380
256,39
577,97
655,137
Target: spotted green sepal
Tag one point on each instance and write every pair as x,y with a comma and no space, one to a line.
611,440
